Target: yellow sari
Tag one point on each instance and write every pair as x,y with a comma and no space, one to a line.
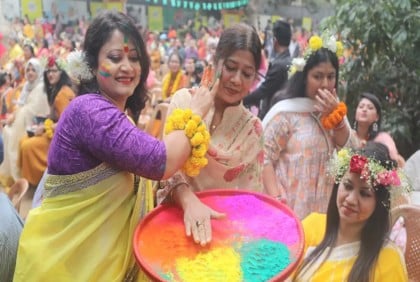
84,228
336,267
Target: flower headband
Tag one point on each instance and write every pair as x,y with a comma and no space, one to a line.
52,60
370,170
315,43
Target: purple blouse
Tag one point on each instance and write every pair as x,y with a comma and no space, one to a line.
92,130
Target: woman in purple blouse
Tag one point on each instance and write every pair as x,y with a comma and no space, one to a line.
83,229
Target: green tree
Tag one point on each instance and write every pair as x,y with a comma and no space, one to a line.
384,39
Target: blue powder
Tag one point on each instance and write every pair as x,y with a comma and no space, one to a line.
263,259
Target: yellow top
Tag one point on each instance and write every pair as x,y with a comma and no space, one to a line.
389,267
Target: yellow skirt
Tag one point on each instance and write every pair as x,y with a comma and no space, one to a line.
84,228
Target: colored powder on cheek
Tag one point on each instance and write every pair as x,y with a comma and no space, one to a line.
220,264
104,70
263,259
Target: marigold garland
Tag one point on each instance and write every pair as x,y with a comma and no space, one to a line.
199,136
48,126
333,119
166,91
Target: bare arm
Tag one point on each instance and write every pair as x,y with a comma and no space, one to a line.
178,147
342,133
271,184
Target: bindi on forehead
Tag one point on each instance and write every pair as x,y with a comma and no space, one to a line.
125,46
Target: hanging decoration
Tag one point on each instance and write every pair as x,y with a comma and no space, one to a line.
206,5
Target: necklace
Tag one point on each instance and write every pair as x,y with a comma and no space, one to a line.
213,128
215,122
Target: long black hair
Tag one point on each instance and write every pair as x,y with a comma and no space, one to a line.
375,230
52,90
377,104
296,85
98,33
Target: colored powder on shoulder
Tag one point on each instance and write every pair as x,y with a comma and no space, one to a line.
263,259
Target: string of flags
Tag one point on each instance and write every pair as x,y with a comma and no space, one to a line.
201,5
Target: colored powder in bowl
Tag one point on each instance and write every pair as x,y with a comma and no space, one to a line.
220,264
260,221
263,259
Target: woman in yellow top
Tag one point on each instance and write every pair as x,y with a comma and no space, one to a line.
174,79
34,150
350,242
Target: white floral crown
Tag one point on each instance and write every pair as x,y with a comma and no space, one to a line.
371,171
77,67
315,43
46,61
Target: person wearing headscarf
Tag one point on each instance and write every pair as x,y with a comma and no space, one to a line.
32,102
34,150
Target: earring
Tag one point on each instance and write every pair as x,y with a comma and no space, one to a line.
375,127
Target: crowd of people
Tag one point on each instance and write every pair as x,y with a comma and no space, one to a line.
73,129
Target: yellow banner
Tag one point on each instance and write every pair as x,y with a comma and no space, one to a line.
230,19
114,6
155,17
275,18
307,23
96,8
32,8
200,21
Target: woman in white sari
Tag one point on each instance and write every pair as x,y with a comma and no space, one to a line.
32,102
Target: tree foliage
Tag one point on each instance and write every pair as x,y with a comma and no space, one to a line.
384,41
